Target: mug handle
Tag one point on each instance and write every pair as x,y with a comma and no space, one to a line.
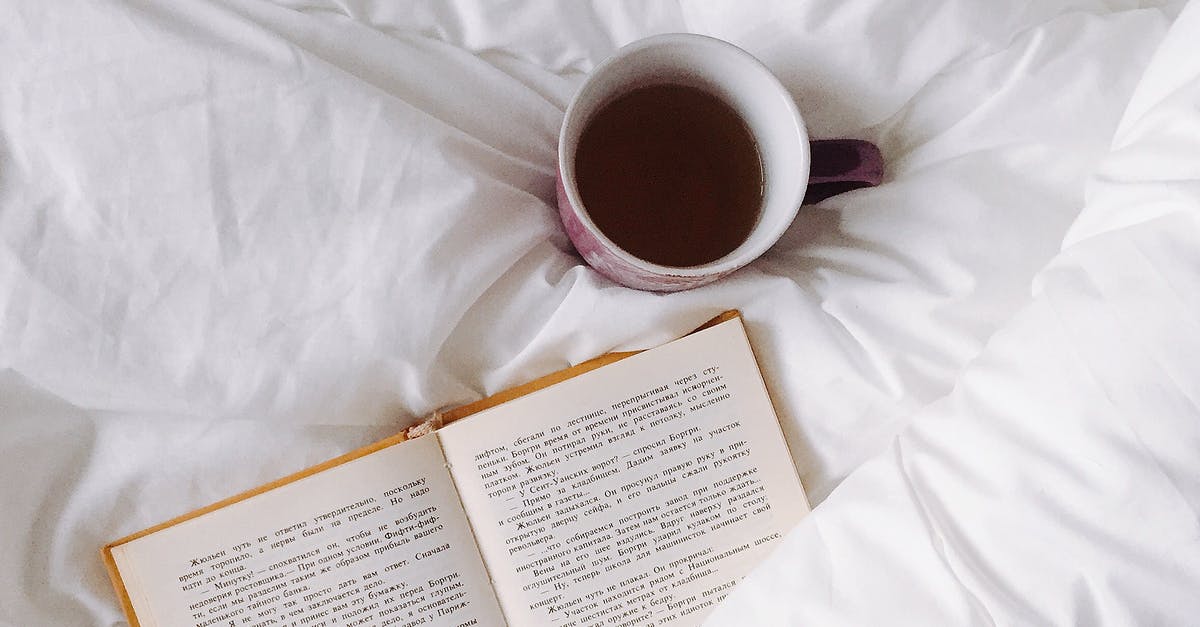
840,165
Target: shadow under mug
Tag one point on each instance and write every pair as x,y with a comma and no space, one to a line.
795,170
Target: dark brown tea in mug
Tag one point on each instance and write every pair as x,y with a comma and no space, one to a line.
671,174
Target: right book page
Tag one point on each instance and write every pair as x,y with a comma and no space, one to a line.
634,494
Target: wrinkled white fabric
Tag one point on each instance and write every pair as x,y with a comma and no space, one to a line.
237,238
1059,483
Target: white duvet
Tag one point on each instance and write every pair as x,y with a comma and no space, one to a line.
239,238
1059,482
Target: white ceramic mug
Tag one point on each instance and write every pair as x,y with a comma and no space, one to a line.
741,81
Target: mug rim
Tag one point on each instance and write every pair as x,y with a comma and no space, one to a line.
746,251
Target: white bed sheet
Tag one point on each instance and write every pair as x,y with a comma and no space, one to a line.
1059,484
239,238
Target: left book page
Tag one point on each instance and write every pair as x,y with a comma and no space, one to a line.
378,540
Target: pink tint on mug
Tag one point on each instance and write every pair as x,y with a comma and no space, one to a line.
742,82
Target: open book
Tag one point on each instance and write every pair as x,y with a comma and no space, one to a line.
634,489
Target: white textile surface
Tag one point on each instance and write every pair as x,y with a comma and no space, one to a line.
238,238
1059,483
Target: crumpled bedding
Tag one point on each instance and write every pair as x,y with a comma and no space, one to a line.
1059,482
238,238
